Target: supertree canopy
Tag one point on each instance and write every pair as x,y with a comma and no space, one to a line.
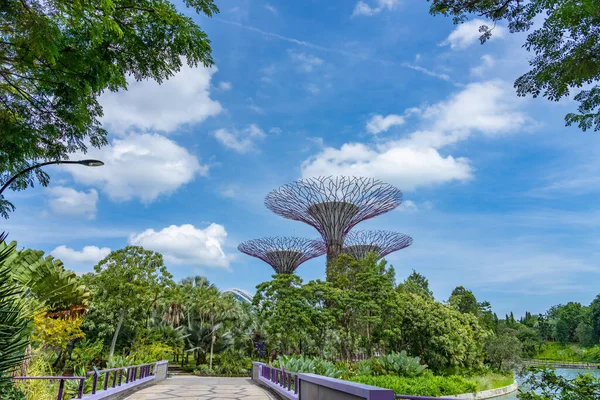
359,243
333,205
284,254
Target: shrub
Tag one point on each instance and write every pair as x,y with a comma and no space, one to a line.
424,385
149,353
86,354
312,365
233,362
8,391
392,364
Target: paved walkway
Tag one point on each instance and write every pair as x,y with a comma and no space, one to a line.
203,388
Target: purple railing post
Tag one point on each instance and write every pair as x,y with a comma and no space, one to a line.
106,380
95,382
120,376
61,388
80,390
296,384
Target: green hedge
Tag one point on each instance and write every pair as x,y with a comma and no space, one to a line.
425,385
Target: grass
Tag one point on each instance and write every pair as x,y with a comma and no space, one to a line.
431,385
491,381
552,351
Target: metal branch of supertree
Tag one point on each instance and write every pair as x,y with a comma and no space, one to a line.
333,205
284,254
359,243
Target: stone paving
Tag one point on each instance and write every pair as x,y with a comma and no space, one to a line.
203,388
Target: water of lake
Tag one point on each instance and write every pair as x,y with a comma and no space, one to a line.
567,373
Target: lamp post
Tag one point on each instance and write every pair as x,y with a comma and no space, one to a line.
87,163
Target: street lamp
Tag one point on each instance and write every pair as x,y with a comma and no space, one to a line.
87,163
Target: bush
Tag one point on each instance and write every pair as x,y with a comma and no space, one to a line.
392,364
424,385
233,362
311,365
86,354
8,391
149,353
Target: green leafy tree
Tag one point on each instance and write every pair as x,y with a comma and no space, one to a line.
437,333
562,331
282,302
464,301
571,314
417,284
529,338
58,57
128,283
585,334
503,351
595,318
565,46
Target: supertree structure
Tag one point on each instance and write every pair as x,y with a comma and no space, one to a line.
284,254
359,243
333,205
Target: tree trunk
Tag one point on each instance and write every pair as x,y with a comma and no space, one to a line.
116,334
212,343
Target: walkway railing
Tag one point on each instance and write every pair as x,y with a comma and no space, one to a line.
287,381
299,386
127,376
61,385
132,373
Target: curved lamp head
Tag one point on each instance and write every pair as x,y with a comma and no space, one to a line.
91,163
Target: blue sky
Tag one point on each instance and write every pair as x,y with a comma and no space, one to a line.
499,195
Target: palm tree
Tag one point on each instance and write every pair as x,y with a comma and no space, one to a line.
14,324
46,281
218,309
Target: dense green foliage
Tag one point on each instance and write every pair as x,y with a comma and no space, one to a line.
360,310
14,325
46,281
127,281
543,384
428,385
503,351
565,46
58,56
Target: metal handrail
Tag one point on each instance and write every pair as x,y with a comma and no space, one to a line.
132,374
61,385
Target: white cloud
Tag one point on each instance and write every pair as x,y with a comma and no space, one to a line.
142,166
187,244
64,200
306,62
487,62
271,9
408,206
487,108
426,71
230,191
240,141
89,255
150,106
407,167
363,8
313,89
467,33
378,123
225,86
